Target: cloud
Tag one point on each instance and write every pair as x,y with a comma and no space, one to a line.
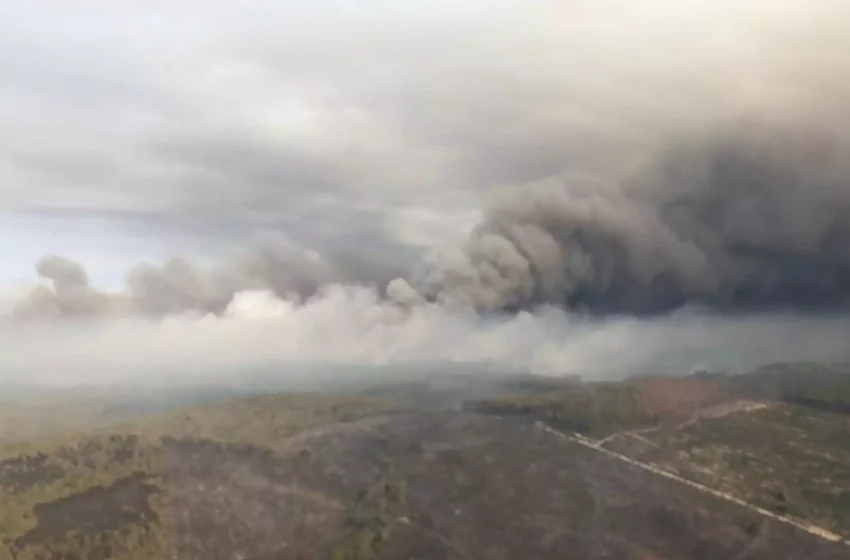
213,109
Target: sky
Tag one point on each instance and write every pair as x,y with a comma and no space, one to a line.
137,131
178,122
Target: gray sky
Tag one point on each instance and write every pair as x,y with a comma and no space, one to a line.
199,121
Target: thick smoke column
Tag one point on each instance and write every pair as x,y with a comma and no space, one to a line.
743,219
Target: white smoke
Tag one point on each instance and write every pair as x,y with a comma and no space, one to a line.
346,331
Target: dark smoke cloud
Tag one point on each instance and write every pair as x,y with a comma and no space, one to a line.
744,218
215,115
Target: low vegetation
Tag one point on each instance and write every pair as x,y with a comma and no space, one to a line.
599,409
379,474
94,497
789,459
814,385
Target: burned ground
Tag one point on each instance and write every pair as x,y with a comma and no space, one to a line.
25,472
360,478
95,510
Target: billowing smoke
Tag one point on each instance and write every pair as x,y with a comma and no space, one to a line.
750,222
350,334
274,264
751,219
676,191
747,219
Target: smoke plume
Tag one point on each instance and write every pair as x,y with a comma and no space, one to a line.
667,182
747,219
274,264
752,222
